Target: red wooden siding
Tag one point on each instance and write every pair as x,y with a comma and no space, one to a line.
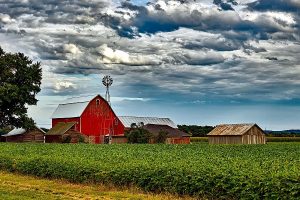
96,121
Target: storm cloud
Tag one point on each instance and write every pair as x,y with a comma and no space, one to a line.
217,51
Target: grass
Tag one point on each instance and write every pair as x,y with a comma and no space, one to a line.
21,187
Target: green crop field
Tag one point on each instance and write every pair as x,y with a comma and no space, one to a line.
270,171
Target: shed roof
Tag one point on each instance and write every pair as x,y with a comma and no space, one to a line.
128,120
172,132
15,131
19,131
70,110
61,128
231,129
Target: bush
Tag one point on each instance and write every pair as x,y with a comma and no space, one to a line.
161,137
66,139
138,135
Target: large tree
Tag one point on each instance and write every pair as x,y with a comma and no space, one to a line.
20,80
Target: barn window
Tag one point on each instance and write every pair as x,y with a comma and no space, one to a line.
97,102
116,122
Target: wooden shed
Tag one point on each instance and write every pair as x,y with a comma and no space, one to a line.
174,135
22,135
65,132
237,134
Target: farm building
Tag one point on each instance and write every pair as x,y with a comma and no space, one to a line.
129,120
64,132
94,118
237,134
116,139
23,135
174,135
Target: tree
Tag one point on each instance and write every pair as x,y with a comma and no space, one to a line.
196,131
137,134
20,81
161,137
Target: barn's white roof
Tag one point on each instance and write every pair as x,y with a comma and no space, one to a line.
19,131
15,131
128,120
69,110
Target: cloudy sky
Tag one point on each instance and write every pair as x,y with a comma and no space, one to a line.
199,62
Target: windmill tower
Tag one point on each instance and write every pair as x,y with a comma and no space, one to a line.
107,82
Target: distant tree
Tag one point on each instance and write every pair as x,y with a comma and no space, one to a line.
137,134
196,131
161,137
5,130
20,81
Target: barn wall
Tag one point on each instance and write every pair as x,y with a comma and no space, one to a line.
179,140
254,139
97,120
75,119
15,138
119,140
34,136
75,137
53,139
225,139
31,136
254,136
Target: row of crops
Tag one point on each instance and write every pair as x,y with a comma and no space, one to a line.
269,171
269,139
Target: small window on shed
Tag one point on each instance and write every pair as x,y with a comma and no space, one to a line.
97,102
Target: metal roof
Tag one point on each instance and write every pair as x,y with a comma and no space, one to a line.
128,120
15,131
69,110
60,128
231,129
19,131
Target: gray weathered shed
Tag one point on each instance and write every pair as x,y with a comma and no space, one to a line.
237,134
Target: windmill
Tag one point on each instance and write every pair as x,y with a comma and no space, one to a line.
107,82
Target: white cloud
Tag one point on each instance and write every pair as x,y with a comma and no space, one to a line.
71,48
63,85
111,56
6,19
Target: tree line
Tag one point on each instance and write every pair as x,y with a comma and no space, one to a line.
195,130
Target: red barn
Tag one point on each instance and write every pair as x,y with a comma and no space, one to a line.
94,118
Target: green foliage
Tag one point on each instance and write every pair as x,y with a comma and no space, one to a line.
137,134
161,137
66,139
283,139
20,81
81,139
268,171
5,130
199,139
196,131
